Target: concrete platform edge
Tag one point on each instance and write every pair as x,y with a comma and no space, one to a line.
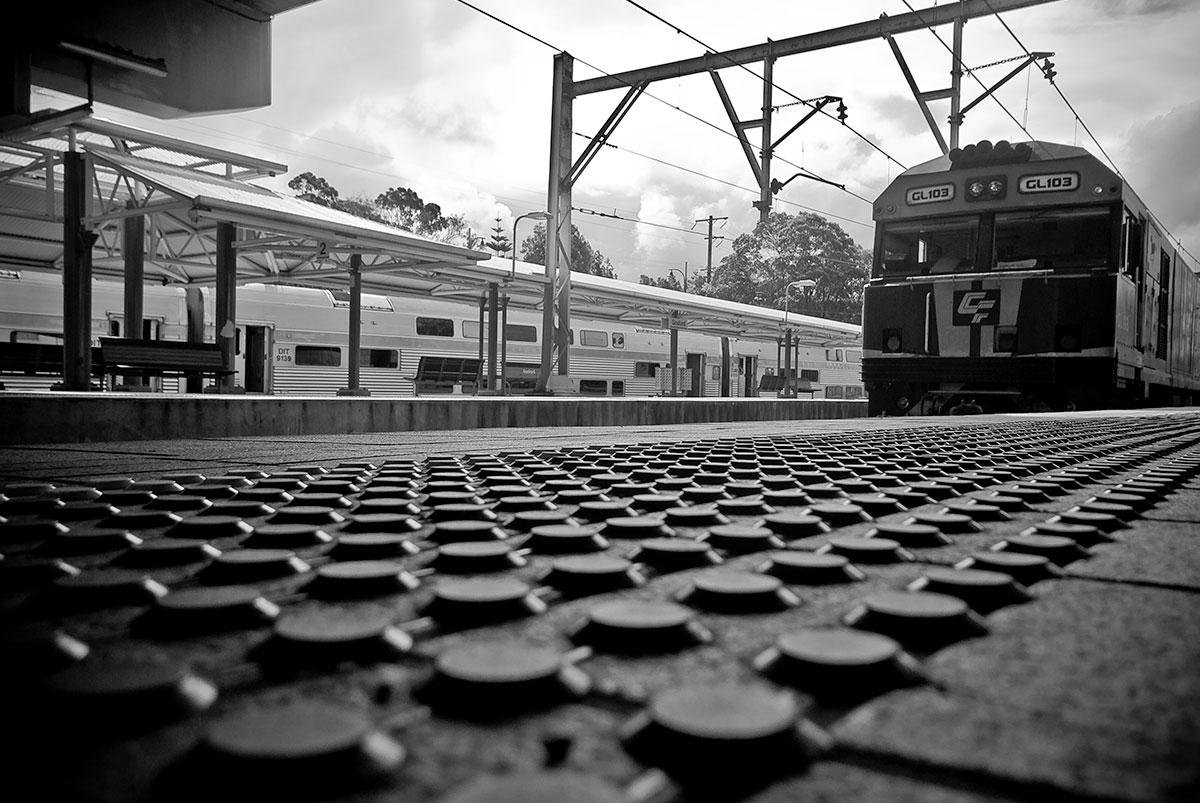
86,417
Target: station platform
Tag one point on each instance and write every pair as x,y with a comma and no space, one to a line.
974,608
62,417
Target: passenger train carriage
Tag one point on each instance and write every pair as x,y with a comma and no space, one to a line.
292,341
1025,277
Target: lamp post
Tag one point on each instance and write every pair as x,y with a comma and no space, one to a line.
789,388
512,274
683,273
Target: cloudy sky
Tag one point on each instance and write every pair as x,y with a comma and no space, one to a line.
433,95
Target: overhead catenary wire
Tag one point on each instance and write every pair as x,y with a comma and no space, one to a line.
667,103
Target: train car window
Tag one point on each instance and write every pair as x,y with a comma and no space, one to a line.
521,333
811,374
645,369
435,327
593,387
618,340
470,330
834,355
946,246
327,356
593,337
45,338
379,358
1133,244
1057,238
715,374
618,387
853,355
114,328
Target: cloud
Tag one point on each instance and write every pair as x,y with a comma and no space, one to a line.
900,111
657,204
1160,158
438,119
1127,8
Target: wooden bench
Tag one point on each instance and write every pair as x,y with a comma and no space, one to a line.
440,374
775,382
161,358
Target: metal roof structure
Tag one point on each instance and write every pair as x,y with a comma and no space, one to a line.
184,190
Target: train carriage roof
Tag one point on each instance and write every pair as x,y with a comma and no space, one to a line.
184,190
1042,151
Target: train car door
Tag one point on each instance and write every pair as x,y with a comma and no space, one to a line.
253,349
695,367
748,368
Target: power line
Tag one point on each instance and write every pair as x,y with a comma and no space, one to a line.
1079,120
637,220
727,183
670,105
763,78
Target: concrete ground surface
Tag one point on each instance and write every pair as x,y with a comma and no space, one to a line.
980,608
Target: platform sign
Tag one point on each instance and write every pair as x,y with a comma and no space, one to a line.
1048,182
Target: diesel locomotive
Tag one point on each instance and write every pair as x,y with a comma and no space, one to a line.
1025,277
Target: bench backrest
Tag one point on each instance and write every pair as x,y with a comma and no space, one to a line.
166,354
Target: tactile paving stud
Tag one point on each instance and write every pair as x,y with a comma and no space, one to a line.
307,514
807,568
287,536
84,511
240,508
839,515
823,491
1138,502
36,650
603,510
786,497
875,505
359,579
910,536
387,504
564,539
703,494
373,546
492,679
319,499
795,525
838,666
528,520
476,557
636,527
45,506
1006,502
454,532
194,611
638,627
1055,548
697,516
1105,522
101,588
675,554
162,552
541,787
1083,534
207,528
122,498
744,506
985,591
950,523
1024,568
302,749
126,695
867,550
1122,512
741,539
140,520
89,542
919,620
181,504
275,497
976,511
380,523
463,511
728,591
241,566
700,734
28,570
324,637
481,600
583,575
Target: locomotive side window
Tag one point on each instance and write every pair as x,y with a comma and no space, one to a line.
593,337
379,358
618,340
645,369
1065,238
325,356
470,329
435,327
811,374
947,246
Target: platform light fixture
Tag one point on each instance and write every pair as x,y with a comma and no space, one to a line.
538,215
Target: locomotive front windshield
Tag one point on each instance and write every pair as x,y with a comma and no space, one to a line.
1032,239
1070,238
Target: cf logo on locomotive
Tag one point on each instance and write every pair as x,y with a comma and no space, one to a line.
977,307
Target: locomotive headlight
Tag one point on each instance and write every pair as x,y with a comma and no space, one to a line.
1006,340
893,341
975,189
995,187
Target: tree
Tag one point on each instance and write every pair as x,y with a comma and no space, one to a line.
499,242
408,211
584,258
315,189
785,248
669,282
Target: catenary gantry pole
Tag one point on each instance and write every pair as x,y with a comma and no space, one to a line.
564,174
226,304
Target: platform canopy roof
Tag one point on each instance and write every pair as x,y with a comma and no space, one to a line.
184,190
